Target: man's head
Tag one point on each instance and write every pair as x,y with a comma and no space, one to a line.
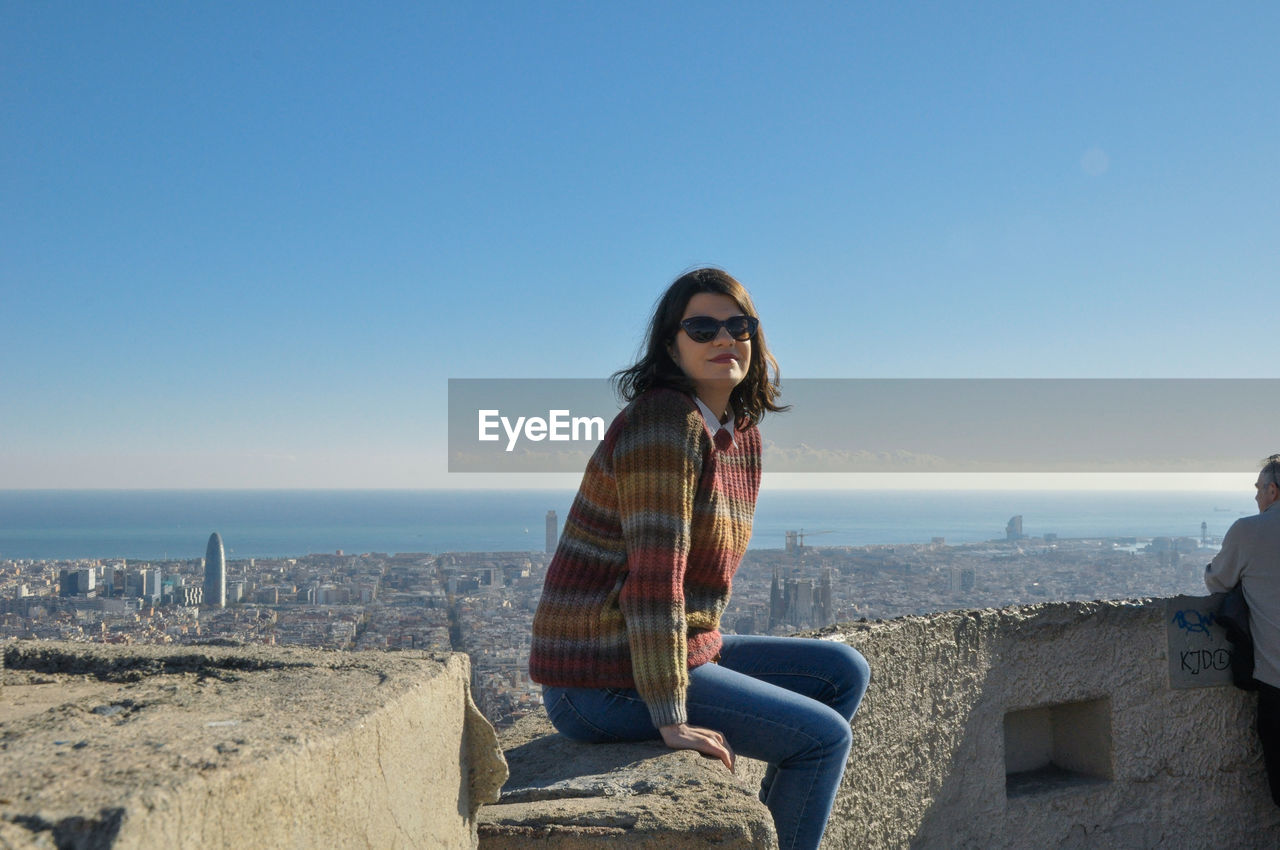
1268,483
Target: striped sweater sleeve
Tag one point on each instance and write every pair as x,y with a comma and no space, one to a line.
657,463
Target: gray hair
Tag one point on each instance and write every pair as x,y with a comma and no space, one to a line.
1272,466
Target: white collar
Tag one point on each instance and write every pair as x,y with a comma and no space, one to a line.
713,422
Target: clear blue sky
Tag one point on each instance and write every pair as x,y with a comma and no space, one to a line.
246,244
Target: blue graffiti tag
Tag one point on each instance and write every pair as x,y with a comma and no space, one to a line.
1192,620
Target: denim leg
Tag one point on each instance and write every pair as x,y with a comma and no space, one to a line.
832,673
599,715
784,701
1269,732
828,673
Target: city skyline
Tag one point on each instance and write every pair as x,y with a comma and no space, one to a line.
323,215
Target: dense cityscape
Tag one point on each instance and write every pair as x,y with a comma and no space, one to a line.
482,603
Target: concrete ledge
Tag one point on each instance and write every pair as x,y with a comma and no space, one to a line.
1173,767
644,796
945,750
216,747
229,747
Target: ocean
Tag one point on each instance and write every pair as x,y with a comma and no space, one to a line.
155,525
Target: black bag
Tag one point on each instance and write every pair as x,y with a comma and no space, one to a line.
1233,614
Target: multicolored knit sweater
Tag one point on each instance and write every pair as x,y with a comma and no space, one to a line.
634,593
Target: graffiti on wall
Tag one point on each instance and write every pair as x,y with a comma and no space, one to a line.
1199,652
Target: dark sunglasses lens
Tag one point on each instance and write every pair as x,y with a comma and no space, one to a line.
705,328
741,327
701,328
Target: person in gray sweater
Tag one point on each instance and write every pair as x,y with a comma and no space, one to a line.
1250,557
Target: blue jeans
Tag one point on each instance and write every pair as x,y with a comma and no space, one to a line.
784,701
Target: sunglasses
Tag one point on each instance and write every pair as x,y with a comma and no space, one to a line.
705,328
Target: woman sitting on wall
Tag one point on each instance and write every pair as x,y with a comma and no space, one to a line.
626,639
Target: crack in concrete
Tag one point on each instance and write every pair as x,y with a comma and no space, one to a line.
382,771
136,667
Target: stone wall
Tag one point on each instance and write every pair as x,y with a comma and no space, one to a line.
959,699
1046,726
215,747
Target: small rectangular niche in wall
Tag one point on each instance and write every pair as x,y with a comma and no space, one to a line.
1057,746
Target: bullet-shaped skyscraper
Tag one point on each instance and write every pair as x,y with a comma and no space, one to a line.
553,532
215,573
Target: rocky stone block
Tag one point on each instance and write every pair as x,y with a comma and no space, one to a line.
640,796
232,747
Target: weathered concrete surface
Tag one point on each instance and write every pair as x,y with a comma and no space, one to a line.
575,796
211,747
928,766
215,747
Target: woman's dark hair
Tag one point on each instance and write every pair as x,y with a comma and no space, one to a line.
758,391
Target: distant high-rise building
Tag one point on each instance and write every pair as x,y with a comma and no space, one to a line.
777,601
215,573
963,579
553,532
1013,531
152,580
824,612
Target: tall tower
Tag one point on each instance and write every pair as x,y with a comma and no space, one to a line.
215,573
825,613
777,602
553,532
152,581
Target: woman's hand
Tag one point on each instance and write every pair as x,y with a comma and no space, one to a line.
682,736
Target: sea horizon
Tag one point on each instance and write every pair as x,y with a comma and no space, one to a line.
174,524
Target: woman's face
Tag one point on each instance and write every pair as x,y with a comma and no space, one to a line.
715,367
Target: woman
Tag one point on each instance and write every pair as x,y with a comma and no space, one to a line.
626,639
